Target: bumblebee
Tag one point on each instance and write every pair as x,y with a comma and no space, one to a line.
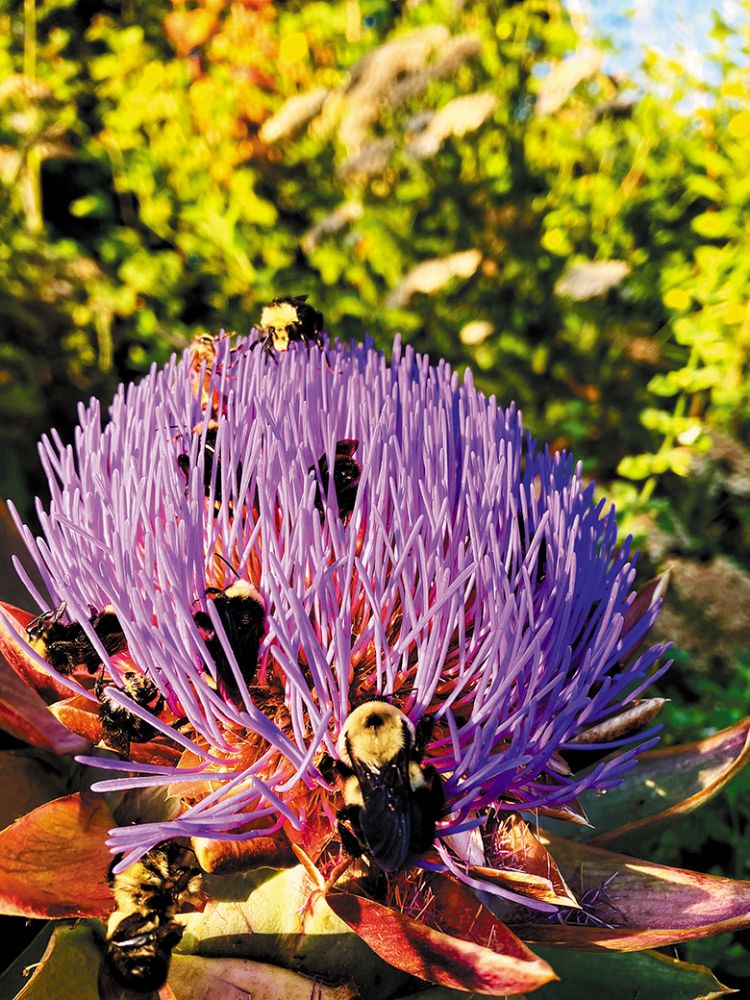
119,726
142,931
165,879
286,321
209,460
136,957
346,476
209,449
243,616
65,645
391,801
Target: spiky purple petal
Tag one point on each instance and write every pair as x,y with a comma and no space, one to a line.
477,577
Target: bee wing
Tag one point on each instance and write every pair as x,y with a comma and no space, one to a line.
385,820
244,626
244,623
136,956
346,447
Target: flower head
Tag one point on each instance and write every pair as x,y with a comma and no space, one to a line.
452,568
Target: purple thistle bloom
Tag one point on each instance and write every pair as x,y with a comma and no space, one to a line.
475,580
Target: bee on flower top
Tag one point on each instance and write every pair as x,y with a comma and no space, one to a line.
286,321
391,801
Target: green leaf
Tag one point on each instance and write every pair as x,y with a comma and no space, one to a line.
638,904
274,916
667,783
68,968
625,976
93,205
444,993
632,976
686,379
18,973
193,978
705,187
636,466
715,225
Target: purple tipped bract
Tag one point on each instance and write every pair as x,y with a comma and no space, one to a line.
474,579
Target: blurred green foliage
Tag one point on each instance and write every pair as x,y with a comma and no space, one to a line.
464,172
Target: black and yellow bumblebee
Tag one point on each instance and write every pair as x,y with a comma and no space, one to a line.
288,321
121,727
142,931
210,460
65,645
346,476
243,615
209,449
391,801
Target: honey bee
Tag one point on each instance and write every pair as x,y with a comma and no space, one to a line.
201,351
183,461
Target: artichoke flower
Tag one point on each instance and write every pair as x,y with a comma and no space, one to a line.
252,544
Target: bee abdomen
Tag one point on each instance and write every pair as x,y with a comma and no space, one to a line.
243,616
138,951
386,829
346,476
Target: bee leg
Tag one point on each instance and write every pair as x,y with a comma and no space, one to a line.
349,842
65,656
115,730
329,767
428,806
435,791
422,736
376,882
58,613
269,349
350,838
100,684
45,619
117,739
